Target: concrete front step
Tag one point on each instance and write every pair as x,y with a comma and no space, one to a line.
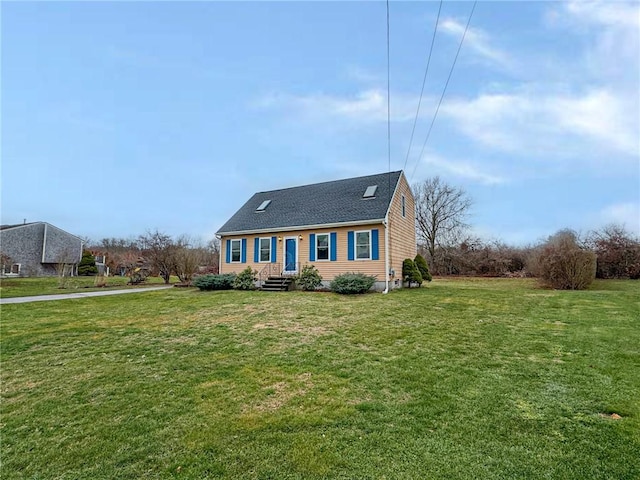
276,284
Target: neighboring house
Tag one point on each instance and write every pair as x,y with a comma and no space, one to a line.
38,249
364,224
101,261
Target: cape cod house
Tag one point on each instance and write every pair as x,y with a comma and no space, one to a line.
364,224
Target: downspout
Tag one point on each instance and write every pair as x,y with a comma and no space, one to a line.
386,253
81,253
44,242
219,237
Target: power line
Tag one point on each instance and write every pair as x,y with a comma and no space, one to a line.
424,80
388,99
444,89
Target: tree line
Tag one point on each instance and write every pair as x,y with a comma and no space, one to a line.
444,239
442,226
156,253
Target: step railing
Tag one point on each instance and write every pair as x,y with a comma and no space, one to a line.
269,270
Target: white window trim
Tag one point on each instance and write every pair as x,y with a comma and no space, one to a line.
328,259
355,244
260,249
7,270
284,254
231,260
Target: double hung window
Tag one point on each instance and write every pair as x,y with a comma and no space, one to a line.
322,246
265,249
236,248
363,245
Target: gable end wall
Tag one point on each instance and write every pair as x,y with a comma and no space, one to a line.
402,231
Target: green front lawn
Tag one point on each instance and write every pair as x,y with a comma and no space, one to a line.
464,379
26,287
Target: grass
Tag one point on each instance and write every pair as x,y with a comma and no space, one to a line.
26,287
464,379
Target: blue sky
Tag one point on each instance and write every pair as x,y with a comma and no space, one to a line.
122,117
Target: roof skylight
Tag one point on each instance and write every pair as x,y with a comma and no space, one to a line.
263,205
370,192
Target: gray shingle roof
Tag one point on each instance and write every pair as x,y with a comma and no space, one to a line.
325,203
6,227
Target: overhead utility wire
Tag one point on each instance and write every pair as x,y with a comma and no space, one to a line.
444,90
388,102
424,80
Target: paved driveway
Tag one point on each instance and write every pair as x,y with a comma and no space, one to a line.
66,296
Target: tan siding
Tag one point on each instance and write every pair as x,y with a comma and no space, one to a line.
402,230
328,269
402,242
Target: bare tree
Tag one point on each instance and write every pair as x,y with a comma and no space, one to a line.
5,263
67,259
120,253
564,262
213,254
618,252
188,256
441,214
159,249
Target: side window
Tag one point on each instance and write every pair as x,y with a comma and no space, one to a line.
363,245
236,247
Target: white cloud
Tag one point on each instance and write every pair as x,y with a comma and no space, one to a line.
364,106
613,33
590,115
595,115
546,122
477,41
626,213
618,14
462,170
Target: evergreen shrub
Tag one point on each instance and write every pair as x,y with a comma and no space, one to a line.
246,279
215,282
309,278
423,267
352,283
410,273
87,265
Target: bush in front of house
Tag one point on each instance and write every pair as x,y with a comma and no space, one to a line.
423,267
309,278
246,279
352,283
410,273
215,282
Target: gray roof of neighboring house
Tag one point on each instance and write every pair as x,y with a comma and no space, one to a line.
6,227
18,225
336,202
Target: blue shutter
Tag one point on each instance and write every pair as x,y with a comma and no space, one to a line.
256,250
228,252
334,247
350,245
244,251
274,249
312,247
374,245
